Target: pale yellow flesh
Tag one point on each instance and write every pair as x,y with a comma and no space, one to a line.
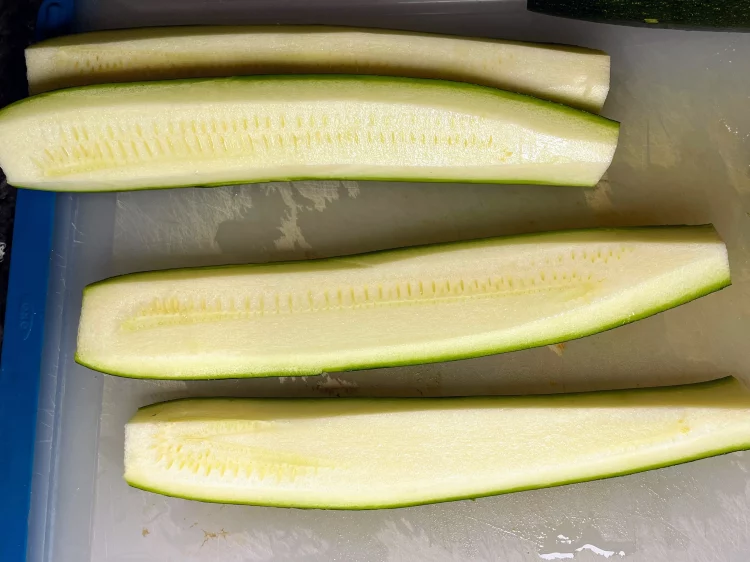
577,77
409,306
352,453
169,134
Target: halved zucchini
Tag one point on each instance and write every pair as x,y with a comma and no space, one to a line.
571,75
415,305
339,453
237,130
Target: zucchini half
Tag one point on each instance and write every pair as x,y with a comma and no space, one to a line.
252,129
359,453
571,75
398,307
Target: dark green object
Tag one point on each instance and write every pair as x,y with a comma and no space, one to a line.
722,14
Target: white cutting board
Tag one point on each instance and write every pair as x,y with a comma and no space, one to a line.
684,157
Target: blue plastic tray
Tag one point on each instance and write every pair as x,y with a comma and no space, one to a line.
24,334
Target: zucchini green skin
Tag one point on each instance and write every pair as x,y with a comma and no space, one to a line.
743,446
447,356
721,14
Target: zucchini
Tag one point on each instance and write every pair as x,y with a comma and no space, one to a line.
398,307
239,130
570,75
723,14
358,453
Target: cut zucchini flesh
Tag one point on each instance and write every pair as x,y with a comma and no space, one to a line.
374,453
237,130
415,305
570,75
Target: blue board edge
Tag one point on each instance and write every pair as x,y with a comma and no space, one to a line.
23,340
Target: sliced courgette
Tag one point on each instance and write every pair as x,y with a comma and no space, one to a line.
375,453
571,75
237,130
415,305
